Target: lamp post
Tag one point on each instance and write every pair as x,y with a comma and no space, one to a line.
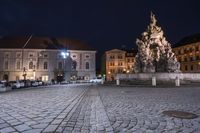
24,73
34,72
64,54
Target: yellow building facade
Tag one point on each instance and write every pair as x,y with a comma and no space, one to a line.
118,61
189,57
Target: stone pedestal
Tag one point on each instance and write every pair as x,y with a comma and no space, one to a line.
177,81
117,82
153,81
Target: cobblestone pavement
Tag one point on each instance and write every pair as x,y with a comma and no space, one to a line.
98,109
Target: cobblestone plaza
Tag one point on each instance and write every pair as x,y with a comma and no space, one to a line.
98,109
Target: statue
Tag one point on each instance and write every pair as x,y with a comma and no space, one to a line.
154,51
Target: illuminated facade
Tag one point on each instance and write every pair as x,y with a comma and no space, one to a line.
118,61
39,63
189,56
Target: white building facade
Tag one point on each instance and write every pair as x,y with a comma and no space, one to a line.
47,64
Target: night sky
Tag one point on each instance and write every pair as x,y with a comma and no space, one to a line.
104,24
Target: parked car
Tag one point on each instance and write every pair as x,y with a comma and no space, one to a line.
14,84
40,83
2,86
96,80
22,84
34,83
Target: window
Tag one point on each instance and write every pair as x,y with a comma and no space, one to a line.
60,65
197,57
186,68
197,48
7,55
179,59
191,49
6,65
185,50
31,55
18,54
45,65
191,58
120,64
87,65
45,55
112,57
119,56
179,52
185,59
87,56
191,68
31,65
45,78
112,64
74,65
18,65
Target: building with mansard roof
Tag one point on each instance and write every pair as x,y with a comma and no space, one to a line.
46,59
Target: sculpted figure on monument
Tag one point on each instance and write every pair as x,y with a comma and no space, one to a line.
154,51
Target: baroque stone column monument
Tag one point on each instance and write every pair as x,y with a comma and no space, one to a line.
154,51
155,60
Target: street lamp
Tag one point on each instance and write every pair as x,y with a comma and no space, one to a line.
64,54
34,72
24,73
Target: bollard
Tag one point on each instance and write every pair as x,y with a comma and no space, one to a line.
177,81
153,81
102,81
117,82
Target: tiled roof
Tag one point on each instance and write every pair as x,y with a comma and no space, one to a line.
43,43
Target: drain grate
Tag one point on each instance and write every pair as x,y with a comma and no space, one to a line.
180,114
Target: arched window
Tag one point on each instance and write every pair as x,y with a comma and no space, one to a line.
60,65
87,65
45,65
31,65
